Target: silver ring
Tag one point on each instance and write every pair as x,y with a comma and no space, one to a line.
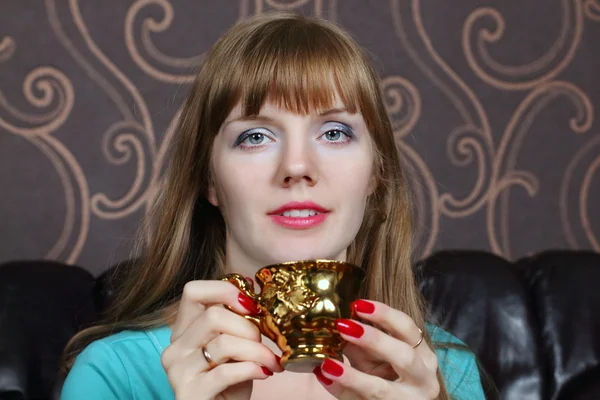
207,356
420,339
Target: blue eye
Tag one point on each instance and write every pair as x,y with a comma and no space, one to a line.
334,135
250,139
339,133
255,138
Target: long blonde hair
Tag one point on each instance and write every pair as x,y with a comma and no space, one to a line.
301,63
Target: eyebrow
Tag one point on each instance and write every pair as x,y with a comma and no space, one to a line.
333,111
264,118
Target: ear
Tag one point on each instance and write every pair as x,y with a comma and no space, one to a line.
372,185
212,194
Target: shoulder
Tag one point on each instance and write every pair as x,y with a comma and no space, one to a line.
119,366
457,363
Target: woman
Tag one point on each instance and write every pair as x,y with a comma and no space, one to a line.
284,152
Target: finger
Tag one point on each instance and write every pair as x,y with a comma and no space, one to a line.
211,383
397,324
226,348
401,356
214,321
211,323
183,371
345,382
198,295
223,349
393,321
363,361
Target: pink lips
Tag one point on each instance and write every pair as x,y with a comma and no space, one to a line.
299,222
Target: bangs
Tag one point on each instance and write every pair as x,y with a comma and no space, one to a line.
298,65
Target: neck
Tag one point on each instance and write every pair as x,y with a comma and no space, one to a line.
241,262
236,262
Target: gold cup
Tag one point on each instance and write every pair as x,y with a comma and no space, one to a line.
299,303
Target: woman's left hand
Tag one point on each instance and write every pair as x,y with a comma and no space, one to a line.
383,365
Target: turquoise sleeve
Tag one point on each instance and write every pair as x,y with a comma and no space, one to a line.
468,386
457,365
98,374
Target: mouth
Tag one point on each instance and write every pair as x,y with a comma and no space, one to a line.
299,209
299,215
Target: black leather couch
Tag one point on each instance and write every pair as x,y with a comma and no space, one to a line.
534,323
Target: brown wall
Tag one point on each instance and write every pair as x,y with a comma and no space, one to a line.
493,102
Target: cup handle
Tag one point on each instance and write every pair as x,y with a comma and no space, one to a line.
244,286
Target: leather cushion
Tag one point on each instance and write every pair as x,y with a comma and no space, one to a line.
479,298
42,305
563,286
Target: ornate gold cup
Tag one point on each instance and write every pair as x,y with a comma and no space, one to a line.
299,303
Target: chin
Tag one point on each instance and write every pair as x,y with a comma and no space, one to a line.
285,255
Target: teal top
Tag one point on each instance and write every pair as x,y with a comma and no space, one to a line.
127,366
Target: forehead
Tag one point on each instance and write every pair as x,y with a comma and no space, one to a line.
276,106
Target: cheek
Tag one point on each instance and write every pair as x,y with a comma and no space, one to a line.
237,187
354,176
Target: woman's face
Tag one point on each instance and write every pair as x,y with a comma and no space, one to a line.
291,187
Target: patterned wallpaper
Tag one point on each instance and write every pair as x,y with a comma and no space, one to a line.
493,102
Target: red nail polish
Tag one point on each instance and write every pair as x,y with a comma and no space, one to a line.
362,306
332,368
349,327
267,371
248,303
325,381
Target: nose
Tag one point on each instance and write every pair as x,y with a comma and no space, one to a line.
297,164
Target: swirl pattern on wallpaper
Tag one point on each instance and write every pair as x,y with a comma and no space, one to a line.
508,150
142,125
7,48
186,66
469,159
149,26
403,104
48,88
584,164
467,142
526,76
473,140
592,9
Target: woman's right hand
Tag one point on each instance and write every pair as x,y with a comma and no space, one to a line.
233,343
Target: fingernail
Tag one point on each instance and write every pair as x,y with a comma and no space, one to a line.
267,371
325,381
248,303
278,359
349,327
362,306
250,281
332,368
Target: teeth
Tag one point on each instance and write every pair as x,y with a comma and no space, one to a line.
299,213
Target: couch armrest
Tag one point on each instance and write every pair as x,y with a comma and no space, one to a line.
42,305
